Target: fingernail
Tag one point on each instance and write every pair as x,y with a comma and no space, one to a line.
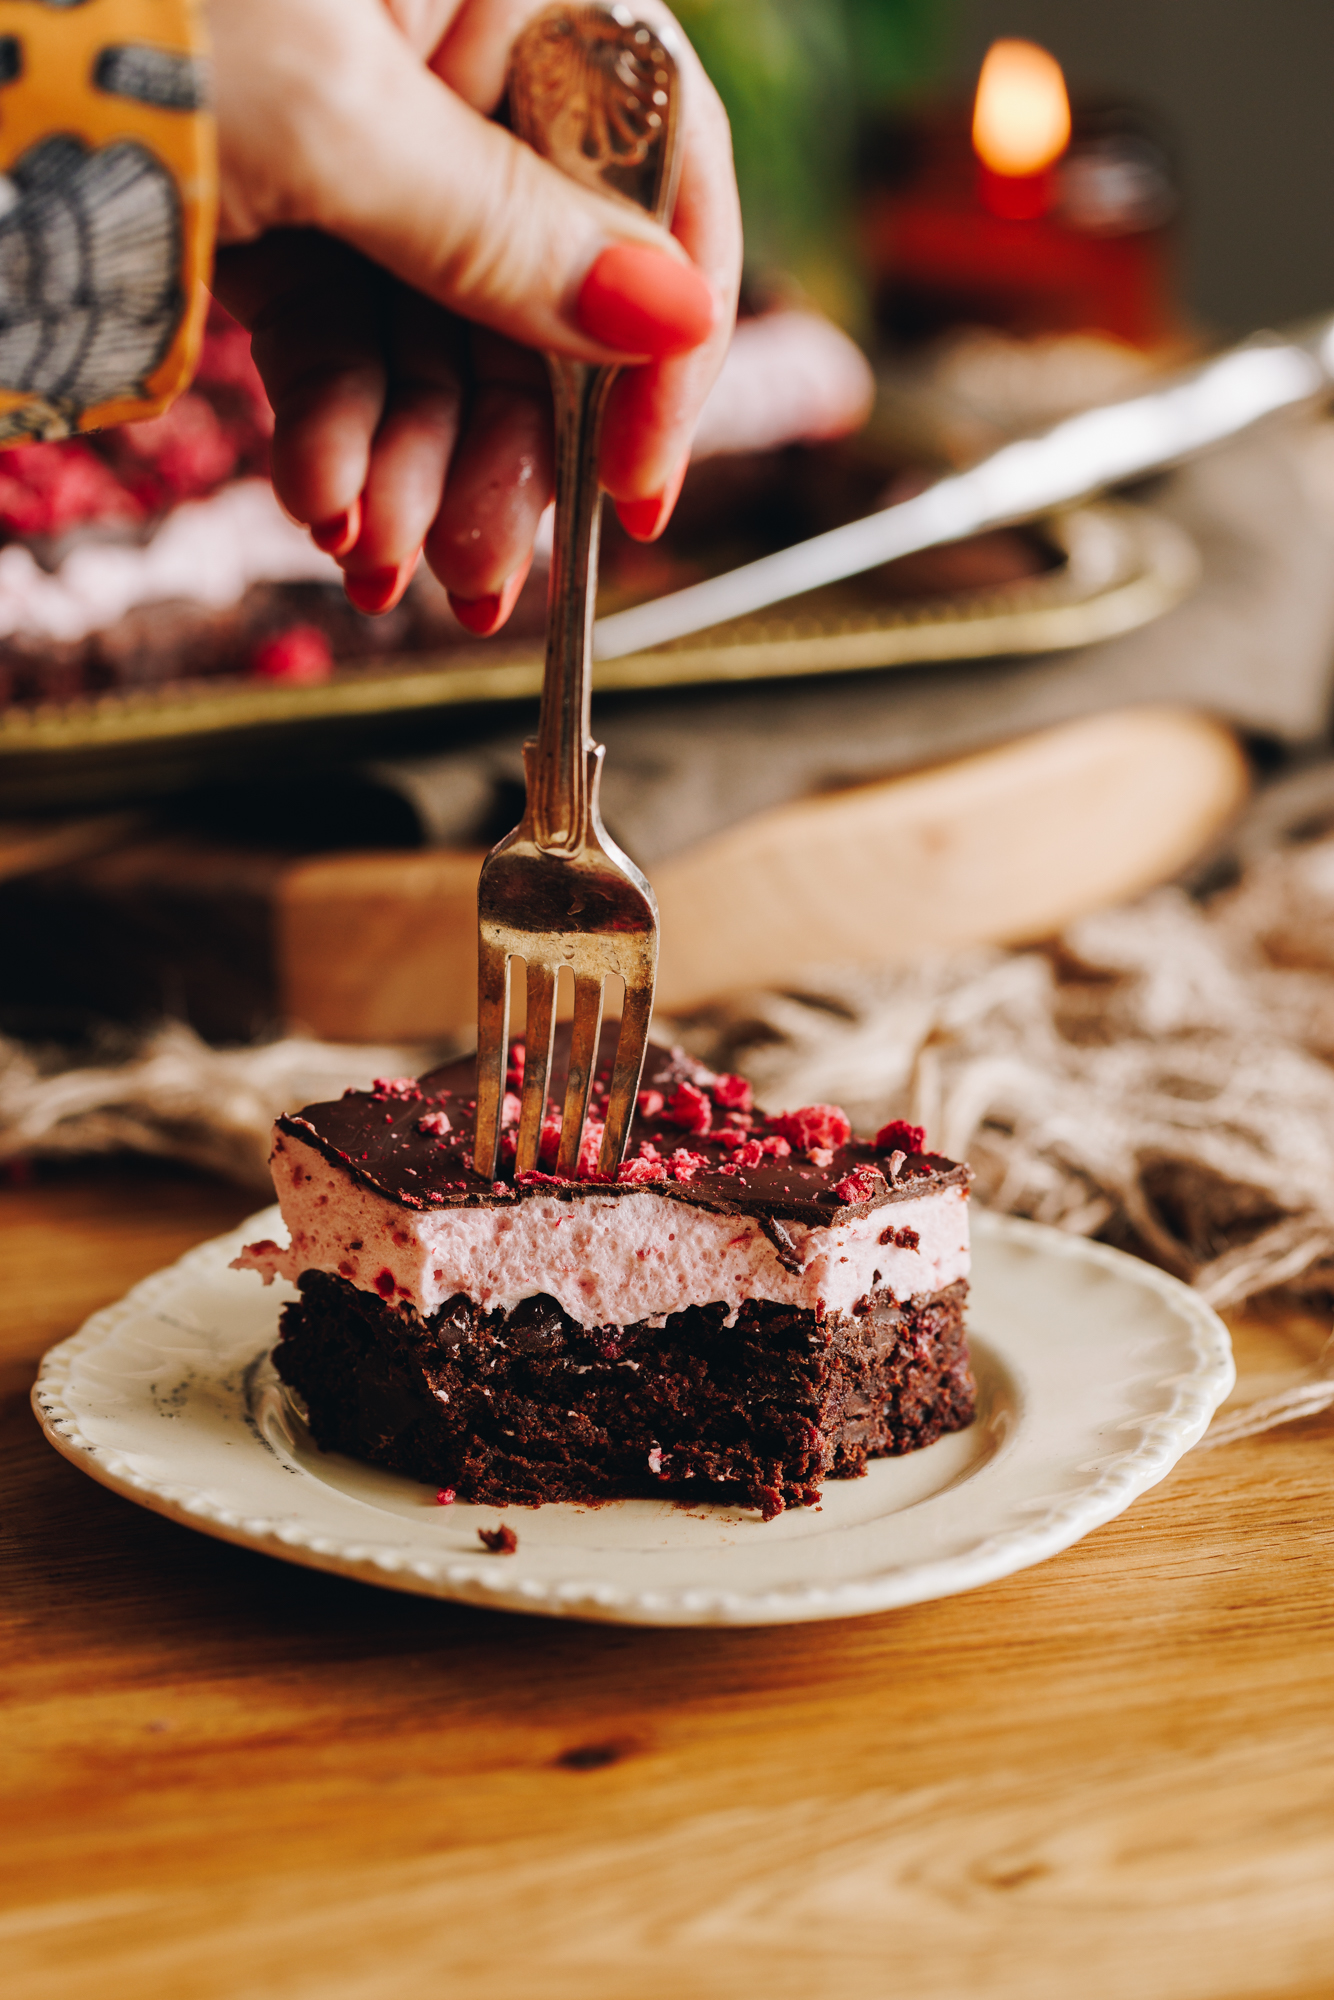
641,301
485,615
377,589
646,519
339,533
477,614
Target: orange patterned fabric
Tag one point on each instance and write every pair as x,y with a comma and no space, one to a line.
108,196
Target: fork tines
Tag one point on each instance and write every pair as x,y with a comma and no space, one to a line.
605,926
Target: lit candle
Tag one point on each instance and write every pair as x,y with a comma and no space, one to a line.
1021,127
1024,217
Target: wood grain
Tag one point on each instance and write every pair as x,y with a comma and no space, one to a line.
228,1777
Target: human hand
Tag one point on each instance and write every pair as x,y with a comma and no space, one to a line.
398,256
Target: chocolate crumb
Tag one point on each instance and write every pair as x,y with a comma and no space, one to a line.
501,1541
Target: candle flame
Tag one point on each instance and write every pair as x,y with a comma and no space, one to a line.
1021,118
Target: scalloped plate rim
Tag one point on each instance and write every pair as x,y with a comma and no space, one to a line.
1163,1436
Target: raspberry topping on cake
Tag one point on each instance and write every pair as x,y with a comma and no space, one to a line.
816,1128
405,1088
862,1184
900,1137
732,1093
691,1110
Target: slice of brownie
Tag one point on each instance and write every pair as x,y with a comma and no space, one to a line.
756,1303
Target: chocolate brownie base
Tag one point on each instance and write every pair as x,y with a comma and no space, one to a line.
530,1406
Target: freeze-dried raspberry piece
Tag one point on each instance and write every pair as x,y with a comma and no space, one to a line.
732,1093
511,1109
776,1147
517,1064
751,1154
685,1164
636,1172
299,657
404,1087
435,1122
548,1144
900,1137
691,1110
729,1136
860,1185
823,1126
590,1145
650,1103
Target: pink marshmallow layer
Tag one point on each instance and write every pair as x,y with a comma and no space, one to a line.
607,1260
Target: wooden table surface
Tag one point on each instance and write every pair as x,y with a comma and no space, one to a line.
1112,1775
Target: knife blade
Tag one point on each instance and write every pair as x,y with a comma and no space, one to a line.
1072,460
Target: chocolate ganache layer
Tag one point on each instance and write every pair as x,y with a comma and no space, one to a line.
387,1140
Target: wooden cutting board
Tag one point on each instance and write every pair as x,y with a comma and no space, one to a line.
1000,847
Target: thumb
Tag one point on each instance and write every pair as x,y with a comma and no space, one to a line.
463,211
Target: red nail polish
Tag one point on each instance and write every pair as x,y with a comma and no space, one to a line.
339,533
641,301
645,520
477,614
331,536
485,615
376,590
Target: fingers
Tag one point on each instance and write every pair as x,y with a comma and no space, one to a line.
500,481
370,384
314,311
471,218
410,453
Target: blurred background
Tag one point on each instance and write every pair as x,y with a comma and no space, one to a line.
228,800
1239,93
1242,90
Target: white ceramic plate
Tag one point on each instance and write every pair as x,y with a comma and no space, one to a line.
1095,1373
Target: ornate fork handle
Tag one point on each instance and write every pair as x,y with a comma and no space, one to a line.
559,799
594,91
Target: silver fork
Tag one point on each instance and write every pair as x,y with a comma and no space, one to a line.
597,92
